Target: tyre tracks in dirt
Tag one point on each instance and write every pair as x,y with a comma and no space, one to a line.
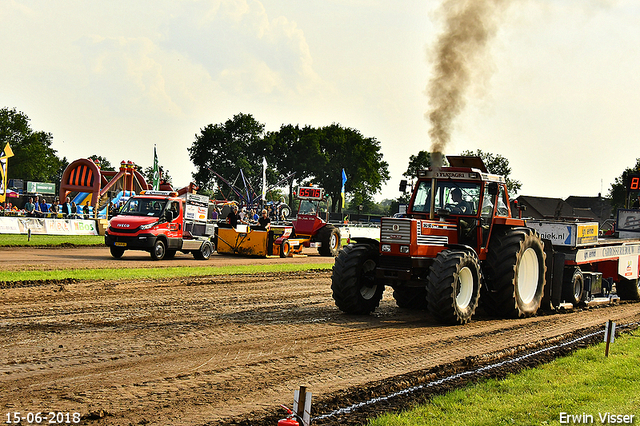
229,349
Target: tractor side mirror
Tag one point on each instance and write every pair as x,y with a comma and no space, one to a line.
493,188
403,186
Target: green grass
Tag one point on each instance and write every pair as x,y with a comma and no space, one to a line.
20,240
583,383
154,273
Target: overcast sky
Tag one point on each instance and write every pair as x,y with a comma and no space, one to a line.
561,101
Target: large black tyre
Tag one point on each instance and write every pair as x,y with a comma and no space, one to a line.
353,281
116,252
453,290
411,297
628,289
159,250
515,274
329,238
573,286
205,251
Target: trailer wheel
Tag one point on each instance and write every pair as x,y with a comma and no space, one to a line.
329,238
573,287
411,297
116,252
628,289
353,281
515,273
285,248
204,253
159,250
453,289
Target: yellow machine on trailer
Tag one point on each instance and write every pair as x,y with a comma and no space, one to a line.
256,241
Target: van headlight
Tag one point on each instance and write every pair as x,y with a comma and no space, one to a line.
147,226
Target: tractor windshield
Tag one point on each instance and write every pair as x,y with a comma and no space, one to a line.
143,207
460,198
307,207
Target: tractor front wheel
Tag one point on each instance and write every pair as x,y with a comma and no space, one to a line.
353,282
453,290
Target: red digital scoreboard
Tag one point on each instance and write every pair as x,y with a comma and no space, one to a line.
633,182
310,193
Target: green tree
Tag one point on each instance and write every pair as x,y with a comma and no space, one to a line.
421,161
165,177
291,150
360,157
228,148
499,165
102,162
34,159
618,190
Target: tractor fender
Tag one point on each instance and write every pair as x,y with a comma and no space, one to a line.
365,240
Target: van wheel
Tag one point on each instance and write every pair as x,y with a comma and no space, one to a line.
204,253
159,250
116,252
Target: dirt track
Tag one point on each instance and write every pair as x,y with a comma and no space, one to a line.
206,350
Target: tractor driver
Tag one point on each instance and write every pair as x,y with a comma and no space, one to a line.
461,206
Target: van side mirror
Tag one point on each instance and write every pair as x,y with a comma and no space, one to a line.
168,215
403,186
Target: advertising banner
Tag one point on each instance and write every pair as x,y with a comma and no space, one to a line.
22,225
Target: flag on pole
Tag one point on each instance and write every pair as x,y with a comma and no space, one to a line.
6,153
156,171
264,179
344,180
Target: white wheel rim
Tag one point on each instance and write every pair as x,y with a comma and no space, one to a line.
368,292
465,288
333,242
528,275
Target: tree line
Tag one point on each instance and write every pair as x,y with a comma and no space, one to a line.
303,154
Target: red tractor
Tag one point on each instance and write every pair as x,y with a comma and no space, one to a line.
458,246
309,227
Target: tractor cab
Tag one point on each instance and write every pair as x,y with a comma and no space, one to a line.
308,219
465,196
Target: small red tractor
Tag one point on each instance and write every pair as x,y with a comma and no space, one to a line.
309,227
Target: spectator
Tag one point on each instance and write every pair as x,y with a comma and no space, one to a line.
74,210
29,207
44,207
232,217
55,207
264,221
66,208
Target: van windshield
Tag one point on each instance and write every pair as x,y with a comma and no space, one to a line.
143,207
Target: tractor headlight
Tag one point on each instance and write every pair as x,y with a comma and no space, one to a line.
386,248
404,249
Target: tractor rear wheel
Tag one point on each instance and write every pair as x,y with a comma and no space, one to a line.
411,297
515,274
353,281
454,286
628,289
329,238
